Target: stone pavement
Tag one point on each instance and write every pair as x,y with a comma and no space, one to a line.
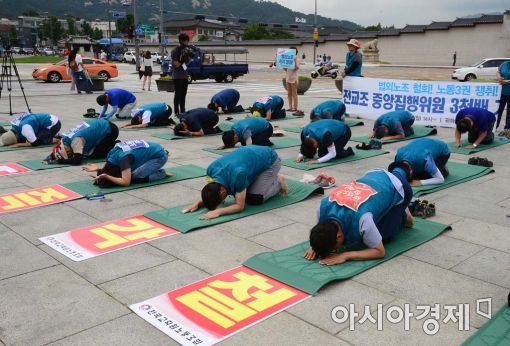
46,298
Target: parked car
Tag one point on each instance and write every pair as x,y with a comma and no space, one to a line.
484,69
130,57
57,72
16,50
156,58
48,51
29,51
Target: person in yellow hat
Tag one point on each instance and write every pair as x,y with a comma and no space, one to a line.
269,107
353,60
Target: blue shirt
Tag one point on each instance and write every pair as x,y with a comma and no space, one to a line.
140,155
379,204
350,58
268,103
93,132
394,121
481,118
322,129
504,70
332,109
156,110
198,117
421,153
37,121
250,127
227,98
237,170
120,97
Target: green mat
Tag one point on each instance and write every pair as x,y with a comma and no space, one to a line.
419,131
497,142
144,128
459,173
349,122
184,223
280,143
25,148
288,117
171,136
85,187
358,155
4,123
289,266
495,332
37,165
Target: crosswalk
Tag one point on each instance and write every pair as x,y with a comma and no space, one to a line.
247,87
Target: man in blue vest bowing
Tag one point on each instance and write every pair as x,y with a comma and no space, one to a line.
30,130
151,114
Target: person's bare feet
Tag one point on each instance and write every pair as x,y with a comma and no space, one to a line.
284,190
168,174
409,219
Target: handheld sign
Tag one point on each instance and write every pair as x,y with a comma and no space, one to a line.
285,58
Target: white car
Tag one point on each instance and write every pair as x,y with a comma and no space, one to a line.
156,58
130,57
484,69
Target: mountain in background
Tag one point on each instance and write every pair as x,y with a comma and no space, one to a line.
254,11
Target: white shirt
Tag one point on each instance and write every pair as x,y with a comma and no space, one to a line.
103,56
147,62
28,132
79,62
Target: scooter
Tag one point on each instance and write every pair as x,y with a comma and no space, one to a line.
317,72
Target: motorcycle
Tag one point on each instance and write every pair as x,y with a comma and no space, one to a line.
318,71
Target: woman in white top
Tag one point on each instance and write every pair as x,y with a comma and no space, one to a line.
147,73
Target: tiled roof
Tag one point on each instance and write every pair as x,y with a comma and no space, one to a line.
413,28
490,18
365,34
389,32
439,26
459,22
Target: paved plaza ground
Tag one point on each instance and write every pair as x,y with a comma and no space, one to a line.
45,298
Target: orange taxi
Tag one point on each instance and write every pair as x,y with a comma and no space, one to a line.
57,72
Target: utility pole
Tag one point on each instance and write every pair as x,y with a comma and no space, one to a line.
137,46
109,14
161,31
315,34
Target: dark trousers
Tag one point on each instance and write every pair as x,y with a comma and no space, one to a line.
278,111
234,109
391,224
440,162
209,126
504,101
474,133
82,82
46,136
102,148
263,137
408,128
340,144
163,120
181,89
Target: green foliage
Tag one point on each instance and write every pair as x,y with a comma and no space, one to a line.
123,23
51,29
96,34
281,35
38,59
204,38
87,30
71,26
30,13
256,32
378,27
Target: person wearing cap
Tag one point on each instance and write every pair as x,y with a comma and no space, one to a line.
227,100
88,140
478,122
328,138
151,114
269,107
370,210
251,174
353,60
426,158
197,122
122,101
248,131
331,109
393,125
30,130
131,162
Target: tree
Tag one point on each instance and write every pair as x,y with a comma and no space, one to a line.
123,23
97,34
281,35
51,29
71,26
256,32
204,38
30,13
373,27
87,30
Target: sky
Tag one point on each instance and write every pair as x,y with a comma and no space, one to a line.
397,12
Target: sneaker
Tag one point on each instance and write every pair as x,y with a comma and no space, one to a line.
327,183
363,146
298,114
375,144
319,178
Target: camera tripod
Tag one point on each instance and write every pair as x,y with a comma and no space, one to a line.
9,65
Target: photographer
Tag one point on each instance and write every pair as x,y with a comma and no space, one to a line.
181,56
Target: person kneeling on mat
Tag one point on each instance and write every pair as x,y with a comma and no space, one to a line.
269,107
256,131
227,100
331,109
393,125
88,140
478,122
31,130
250,174
121,100
131,162
426,159
370,210
327,137
152,114
197,122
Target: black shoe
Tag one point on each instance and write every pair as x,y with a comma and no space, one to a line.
2,129
349,151
363,146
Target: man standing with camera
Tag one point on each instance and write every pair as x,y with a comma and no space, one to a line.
181,56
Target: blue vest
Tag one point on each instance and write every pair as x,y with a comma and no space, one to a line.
379,205
255,124
389,119
270,104
93,134
349,59
504,70
334,107
237,170
140,155
318,129
38,122
417,151
157,109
